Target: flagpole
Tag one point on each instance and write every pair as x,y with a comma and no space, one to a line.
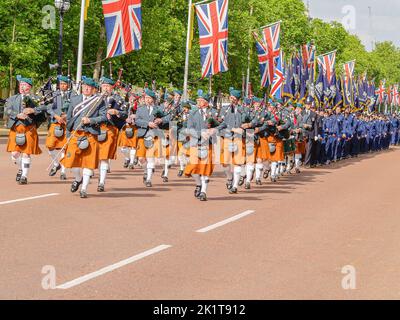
248,60
185,80
80,45
268,25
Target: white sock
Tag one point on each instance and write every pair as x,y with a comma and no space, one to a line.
132,156
249,171
236,175
259,170
204,184
150,166
274,169
197,179
77,174
242,171
53,155
125,152
182,162
87,173
26,164
62,167
282,166
297,160
228,172
103,171
166,170
17,159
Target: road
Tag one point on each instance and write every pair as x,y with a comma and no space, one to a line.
288,240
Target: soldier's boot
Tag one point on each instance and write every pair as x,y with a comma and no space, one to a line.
19,175
197,191
203,196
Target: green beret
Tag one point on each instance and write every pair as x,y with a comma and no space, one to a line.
65,79
203,95
107,80
178,92
258,100
89,82
299,105
150,93
235,93
280,101
26,80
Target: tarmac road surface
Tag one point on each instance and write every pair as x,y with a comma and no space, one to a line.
288,240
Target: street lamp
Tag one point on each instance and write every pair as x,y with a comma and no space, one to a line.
62,6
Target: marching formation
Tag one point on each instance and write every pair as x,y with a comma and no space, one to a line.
252,138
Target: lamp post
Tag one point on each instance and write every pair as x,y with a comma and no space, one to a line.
62,6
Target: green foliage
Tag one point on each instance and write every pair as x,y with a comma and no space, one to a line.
164,39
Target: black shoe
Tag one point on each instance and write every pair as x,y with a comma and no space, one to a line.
100,188
131,166
258,182
297,170
247,186
83,194
63,176
180,173
75,186
54,170
273,179
148,184
197,191
135,161
203,196
126,164
165,179
23,180
162,174
266,174
241,180
144,178
229,184
19,174
108,170
232,190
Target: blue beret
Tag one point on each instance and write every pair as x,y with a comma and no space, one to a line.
150,93
63,79
309,100
89,81
235,93
299,105
26,80
259,100
107,80
247,101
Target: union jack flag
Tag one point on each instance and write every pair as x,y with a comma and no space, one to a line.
308,55
380,92
123,19
276,88
268,50
349,71
213,30
327,63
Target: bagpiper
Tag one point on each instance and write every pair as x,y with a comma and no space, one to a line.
86,113
57,135
24,117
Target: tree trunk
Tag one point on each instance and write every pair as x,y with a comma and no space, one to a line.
99,55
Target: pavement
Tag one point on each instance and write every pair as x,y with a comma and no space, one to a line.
326,233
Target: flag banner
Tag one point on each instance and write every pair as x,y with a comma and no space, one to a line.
123,20
276,88
327,63
268,50
213,31
380,93
308,60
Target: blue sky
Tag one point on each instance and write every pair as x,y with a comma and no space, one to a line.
383,25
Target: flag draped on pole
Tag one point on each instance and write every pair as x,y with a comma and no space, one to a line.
348,82
276,88
380,92
308,57
213,31
327,63
123,20
268,50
